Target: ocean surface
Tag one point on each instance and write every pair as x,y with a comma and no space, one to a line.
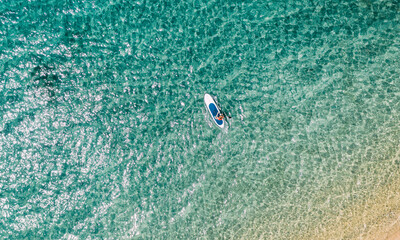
104,134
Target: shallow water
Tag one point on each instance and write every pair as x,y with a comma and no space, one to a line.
103,131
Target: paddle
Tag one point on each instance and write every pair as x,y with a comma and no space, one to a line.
220,108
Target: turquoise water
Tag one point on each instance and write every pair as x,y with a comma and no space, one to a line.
104,135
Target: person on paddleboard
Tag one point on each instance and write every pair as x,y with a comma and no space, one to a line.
219,116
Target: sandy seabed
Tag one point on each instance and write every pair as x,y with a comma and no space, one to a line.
377,218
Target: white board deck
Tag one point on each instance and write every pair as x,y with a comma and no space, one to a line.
213,110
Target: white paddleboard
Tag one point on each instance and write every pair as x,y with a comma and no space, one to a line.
212,108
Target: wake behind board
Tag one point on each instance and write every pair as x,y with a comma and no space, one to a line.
213,110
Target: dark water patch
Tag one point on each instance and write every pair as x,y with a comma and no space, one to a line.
45,77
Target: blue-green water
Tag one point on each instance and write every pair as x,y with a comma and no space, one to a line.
103,132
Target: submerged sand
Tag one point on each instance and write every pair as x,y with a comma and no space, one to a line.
377,218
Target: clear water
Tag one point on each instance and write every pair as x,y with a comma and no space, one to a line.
103,132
